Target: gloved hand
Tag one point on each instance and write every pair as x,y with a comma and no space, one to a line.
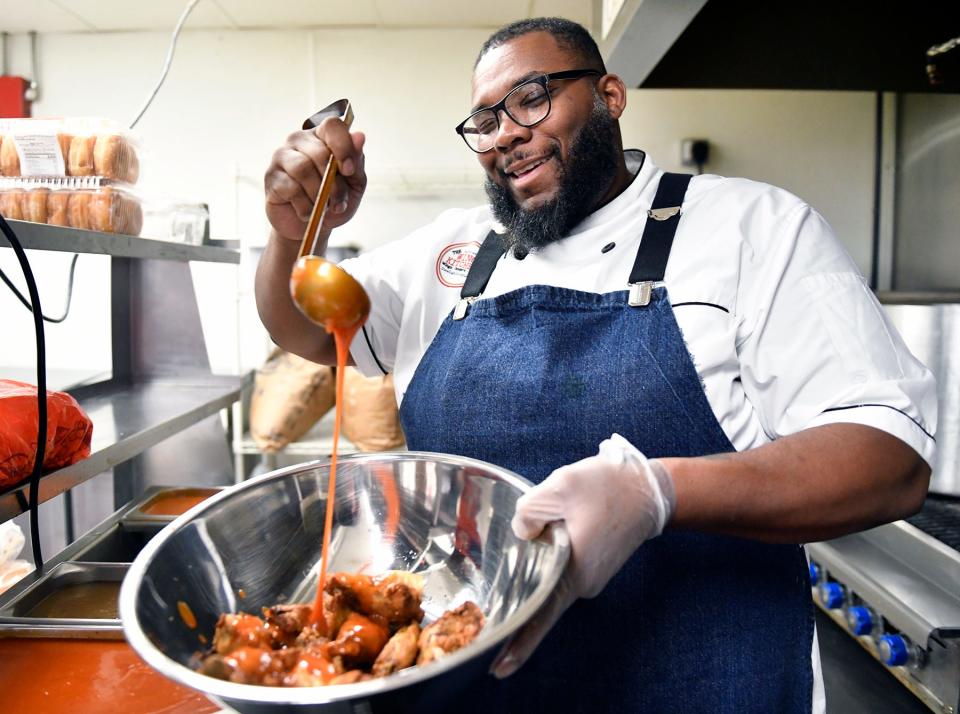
611,503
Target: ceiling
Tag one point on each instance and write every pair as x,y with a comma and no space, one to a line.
124,15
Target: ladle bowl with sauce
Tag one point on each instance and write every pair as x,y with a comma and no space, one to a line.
445,517
328,295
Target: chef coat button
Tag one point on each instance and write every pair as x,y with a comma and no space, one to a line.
608,247
814,574
831,595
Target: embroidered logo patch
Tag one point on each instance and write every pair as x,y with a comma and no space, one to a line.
454,263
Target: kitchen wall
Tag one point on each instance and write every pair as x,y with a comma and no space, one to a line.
231,97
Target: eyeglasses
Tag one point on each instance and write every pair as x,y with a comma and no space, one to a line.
526,104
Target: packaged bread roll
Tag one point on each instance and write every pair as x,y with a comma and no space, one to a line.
9,158
80,161
64,140
132,218
112,211
104,207
78,210
115,158
57,208
34,205
11,204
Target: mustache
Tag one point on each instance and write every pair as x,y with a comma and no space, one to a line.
552,153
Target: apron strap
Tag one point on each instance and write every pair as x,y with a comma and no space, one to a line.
491,250
662,221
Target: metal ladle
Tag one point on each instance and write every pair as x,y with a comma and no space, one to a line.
325,293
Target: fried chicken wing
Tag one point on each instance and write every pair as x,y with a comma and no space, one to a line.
394,596
451,631
287,621
399,652
311,667
359,640
251,665
242,630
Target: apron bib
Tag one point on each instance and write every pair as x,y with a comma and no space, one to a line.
535,379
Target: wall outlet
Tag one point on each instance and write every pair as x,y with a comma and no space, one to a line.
694,152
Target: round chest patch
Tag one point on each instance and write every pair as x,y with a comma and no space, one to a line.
454,263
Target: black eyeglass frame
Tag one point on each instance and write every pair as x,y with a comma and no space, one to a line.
542,80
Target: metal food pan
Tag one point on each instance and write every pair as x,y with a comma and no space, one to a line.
17,618
139,513
120,543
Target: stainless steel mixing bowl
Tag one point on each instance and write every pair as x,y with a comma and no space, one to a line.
258,544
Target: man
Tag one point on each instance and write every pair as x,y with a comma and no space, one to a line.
709,336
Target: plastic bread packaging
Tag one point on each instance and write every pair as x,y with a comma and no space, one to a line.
11,543
88,203
68,147
99,204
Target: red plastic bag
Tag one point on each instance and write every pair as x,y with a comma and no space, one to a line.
68,431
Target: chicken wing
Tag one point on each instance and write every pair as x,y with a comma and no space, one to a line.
451,631
394,596
287,621
251,665
242,630
359,640
399,652
311,667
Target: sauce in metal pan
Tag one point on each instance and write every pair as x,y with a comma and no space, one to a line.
175,503
44,676
97,600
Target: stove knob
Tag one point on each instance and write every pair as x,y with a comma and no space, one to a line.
860,620
814,574
831,595
893,650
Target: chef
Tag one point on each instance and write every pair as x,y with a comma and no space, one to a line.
692,370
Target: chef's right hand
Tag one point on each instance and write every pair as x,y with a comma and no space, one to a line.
293,178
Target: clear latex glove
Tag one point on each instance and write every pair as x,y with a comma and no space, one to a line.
611,503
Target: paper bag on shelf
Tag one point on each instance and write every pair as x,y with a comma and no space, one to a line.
289,395
370,417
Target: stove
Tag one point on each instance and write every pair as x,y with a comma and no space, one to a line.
896,590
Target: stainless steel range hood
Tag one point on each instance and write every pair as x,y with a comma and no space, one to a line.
757,44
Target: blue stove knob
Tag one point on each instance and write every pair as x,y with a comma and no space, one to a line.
814,574
860,620
893,650
831,595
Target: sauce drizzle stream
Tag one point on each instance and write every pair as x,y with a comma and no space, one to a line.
343,338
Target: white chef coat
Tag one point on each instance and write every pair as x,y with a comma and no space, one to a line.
782,328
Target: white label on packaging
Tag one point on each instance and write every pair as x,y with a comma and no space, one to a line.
40,155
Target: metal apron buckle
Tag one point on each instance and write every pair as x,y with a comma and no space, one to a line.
640,293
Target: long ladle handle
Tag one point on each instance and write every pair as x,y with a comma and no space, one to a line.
309,244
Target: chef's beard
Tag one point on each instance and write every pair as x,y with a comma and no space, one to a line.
583,180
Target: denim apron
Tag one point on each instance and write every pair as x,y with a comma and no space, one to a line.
535,379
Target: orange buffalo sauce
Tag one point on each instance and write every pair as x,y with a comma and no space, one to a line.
385,477
176,502
44,676
343,338
186,614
